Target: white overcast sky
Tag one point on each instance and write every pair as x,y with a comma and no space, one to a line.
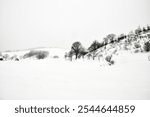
59,23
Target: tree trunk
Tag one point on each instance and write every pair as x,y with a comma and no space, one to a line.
76,56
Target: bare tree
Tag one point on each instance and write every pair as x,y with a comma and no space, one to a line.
148,28
94,46
111,38
76,48
138,31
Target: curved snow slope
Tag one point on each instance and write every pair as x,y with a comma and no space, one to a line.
60,79
52,52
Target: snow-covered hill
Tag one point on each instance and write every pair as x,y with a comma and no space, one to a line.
52,53
128,46
127,78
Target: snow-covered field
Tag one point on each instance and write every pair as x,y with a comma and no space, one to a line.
51,78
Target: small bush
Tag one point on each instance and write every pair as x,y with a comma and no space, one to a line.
148,35
55,56
112,62
36,54
6,57
136,51
41,55
109,60
137,45
147,46
1,58
126,46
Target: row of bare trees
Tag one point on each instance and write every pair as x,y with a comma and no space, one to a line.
79,51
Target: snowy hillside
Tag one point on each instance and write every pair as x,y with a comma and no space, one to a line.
112,52
52,53
116,70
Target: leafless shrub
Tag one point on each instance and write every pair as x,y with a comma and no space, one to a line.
109,60
37,54
55,56
147,46
137,45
